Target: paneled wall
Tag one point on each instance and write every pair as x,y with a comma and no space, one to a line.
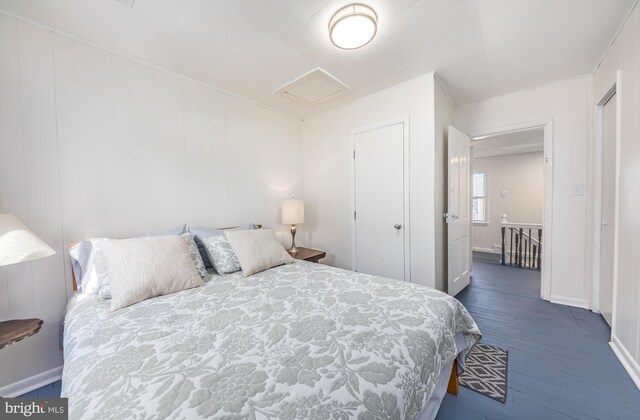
567,104
328,147
96,144
624,57
521,178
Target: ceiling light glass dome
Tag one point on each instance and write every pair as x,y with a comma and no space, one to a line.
353,26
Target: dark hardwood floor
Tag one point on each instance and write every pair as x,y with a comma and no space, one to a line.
51,390
560,362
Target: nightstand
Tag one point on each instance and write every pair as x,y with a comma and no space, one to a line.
309,254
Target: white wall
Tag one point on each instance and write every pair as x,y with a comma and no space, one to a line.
95,144
521,176
567,105
327,164
624,56
444,117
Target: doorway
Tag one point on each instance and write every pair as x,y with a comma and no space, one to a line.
380,168
511,203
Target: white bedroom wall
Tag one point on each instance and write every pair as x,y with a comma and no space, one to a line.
521,176
96,144
327,164
567,104
624,56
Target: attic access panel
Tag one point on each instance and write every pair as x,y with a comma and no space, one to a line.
313,87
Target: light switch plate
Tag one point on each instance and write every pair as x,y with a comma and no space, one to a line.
503,194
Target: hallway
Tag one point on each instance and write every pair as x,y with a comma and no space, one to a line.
560,362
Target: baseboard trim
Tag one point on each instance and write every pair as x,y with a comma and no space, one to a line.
562,300
33,382
487,250
630,365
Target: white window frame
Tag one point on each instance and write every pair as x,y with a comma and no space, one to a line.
484,196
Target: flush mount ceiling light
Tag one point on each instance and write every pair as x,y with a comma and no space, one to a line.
353,26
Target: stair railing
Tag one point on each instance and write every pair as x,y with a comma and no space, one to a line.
522,244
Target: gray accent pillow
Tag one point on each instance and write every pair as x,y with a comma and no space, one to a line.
258,250
105,292
221,254
200,234
142,268
195,254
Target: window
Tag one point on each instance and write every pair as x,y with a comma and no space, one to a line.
479,204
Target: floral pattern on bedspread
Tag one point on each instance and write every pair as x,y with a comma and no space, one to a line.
296,341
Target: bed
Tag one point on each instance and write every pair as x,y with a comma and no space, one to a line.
302,340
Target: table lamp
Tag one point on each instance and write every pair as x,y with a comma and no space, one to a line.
19,244
293,214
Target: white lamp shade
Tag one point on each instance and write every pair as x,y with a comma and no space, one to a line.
292,212
18,243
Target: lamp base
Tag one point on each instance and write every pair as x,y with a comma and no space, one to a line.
293,250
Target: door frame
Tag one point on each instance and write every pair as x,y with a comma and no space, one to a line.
547,220
614,89
406,223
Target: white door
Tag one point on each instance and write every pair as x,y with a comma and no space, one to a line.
459,211
608,207
379,202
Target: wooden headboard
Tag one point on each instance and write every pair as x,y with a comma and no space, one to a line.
73,275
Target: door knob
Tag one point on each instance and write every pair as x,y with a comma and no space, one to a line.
397,226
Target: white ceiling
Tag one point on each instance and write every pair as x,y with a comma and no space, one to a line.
480,48
510,143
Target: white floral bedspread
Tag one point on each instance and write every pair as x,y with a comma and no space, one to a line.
297,341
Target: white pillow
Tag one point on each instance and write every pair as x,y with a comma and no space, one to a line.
142,268
99,268
257,250
104,291
83,257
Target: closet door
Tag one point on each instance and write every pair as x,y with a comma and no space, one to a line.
379,194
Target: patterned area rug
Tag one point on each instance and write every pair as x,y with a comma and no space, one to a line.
486,371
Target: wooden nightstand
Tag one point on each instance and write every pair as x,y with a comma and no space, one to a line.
309,254
18,329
